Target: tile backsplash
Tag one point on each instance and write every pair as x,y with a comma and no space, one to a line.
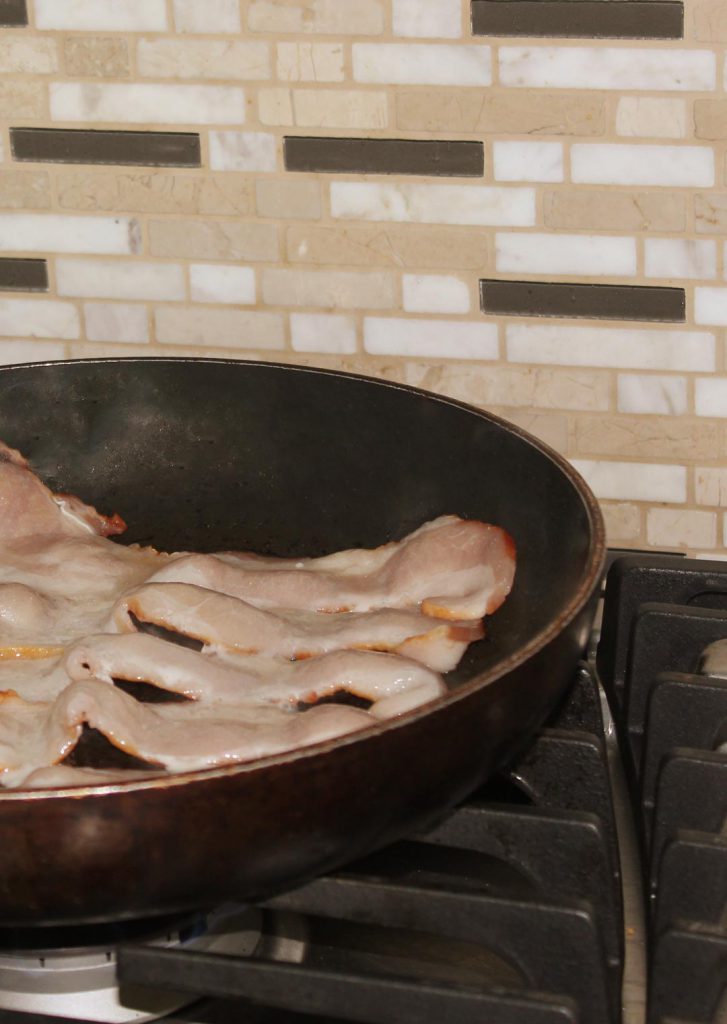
519,204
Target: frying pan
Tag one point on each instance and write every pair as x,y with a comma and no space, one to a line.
283,460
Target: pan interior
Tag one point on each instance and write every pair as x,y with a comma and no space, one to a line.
211,455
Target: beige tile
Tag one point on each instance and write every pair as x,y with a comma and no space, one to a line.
228,59
225,193
710,21
651,117
213,240
293,200
28,190
681,528
673,437
614,211
233,328
309,62
275,107
460,110
360,17
550,427
22,98
407,246
96,56
344,289
711,486
623,521
710,212
510,386
340,108
28,55
710,119
139,191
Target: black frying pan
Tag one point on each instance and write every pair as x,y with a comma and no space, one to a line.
289,461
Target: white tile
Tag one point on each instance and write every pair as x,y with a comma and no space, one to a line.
710,306
137,103
225,59
433,204
680,258
710,485
651,393
628,349
595,255
528,161
322,332
119,279
604,67
12,352
434,293
433,19
681,528
51,232
624,164
710,396
634,481
651,117
38,318
116,321
310,62
208,16
104,15
219,282
243,151
431,338
422,64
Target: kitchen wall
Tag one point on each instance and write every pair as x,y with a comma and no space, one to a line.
518,203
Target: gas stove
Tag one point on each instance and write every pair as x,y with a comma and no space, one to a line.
511,908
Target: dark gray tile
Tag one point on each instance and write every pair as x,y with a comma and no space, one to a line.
597,301
384,156
590,19
13,12
82,146
23,275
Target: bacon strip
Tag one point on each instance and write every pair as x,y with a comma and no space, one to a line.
220,620
454,568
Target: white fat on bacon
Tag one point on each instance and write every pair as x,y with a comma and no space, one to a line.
392,683
224,621
63,776
453,568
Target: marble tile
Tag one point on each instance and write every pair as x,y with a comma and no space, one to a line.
50,232
28,55
651,393
432,19
210,16
433,204
219,282
322,332
680,258
681,528
576,255
141,103
634,481
231,328
605,67
310,62
116,322
620,348
651,117
243,151
104,15
710,396
329,289
527,161
710,306
119,279
623,521
430,338
352,17
38,318
422,64
710,486
12,352
96,56
340,108
623,164
435,293
225,59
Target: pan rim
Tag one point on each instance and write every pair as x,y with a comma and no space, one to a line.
589,579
